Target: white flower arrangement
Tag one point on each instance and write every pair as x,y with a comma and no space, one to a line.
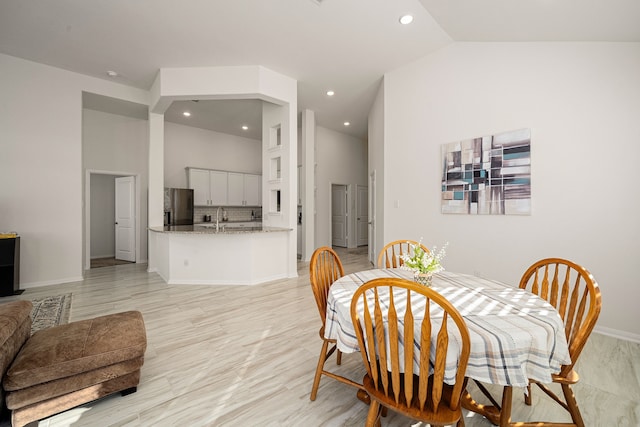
421,261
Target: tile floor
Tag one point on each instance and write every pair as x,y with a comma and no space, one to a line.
246,355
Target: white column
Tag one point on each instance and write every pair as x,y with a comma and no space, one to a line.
156,169
156,184
308,183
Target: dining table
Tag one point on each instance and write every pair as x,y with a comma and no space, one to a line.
515,335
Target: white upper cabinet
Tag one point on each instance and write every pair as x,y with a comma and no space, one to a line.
209,187
218,185
244,189
199,182
236,189
252,190
220,188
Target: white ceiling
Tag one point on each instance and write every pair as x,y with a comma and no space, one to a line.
227,116
343,45
538,20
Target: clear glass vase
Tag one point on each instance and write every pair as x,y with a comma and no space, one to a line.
422,278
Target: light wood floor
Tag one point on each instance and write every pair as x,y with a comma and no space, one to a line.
107,262
246,355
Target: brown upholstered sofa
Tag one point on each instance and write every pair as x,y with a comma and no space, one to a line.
15,328
68,365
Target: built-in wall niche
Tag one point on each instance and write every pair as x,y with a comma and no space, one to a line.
275,171
275,136
274,202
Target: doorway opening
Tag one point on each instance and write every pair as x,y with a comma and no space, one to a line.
372,217
339,214
111,219
362,215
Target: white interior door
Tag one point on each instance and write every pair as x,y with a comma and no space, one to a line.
339,215
362,215
372,218
125,219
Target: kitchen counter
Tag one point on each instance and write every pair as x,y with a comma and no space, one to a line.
254,222
210,228
233,255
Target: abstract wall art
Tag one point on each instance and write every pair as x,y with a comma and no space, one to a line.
490,175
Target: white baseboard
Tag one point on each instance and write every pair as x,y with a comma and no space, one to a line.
50,282
615,333
215,282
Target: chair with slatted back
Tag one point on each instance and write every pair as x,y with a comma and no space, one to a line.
390,255
392,315
573,291
324,269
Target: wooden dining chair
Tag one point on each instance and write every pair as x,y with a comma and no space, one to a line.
324,269
573,291
390,255
389,329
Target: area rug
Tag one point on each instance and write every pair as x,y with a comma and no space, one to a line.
50,311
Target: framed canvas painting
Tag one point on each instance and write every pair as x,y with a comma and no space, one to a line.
490,175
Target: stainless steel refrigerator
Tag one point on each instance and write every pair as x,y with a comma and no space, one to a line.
178,206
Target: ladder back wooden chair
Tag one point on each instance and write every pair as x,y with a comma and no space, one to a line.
324,269
399,323
573,291
389,256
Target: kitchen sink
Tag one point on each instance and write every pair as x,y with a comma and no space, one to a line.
241,226
233,227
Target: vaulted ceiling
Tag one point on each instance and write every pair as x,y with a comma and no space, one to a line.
340,45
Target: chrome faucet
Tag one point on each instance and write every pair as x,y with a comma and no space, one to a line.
224,217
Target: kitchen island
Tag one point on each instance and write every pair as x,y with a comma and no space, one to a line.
230,255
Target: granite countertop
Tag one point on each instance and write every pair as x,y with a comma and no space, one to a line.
248,221
211,229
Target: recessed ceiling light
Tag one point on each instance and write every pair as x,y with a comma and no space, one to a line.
330,93
347,123
406,19
112,73
186,114
245,127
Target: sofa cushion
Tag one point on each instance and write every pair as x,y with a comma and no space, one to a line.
77,347
41,392
23,416
15,328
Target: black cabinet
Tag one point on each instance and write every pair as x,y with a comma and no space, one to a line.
9,266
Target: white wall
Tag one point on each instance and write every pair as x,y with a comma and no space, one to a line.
103,208
340,159
41,165
186,146
582,104
119,145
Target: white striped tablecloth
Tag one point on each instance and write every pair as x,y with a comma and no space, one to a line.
515,335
